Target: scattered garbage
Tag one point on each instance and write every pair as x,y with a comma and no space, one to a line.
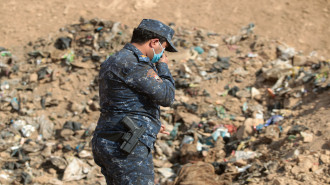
222,131
244,155
237,118
63,43
75,170
199,50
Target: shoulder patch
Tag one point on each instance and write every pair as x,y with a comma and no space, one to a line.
152,74
143,58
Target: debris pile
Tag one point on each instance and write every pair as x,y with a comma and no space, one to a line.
238,116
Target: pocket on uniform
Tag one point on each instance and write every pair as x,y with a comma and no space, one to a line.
107,143
107,148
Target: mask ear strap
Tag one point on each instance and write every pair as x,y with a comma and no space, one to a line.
161,45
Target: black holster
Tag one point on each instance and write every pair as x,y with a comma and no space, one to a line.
130,139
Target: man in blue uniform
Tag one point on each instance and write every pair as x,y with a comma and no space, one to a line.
133,83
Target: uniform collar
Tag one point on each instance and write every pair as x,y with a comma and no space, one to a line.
137,52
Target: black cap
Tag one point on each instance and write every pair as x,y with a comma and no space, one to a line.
161,29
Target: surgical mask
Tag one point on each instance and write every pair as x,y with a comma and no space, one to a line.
156,57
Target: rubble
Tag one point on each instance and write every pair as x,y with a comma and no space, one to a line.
238,117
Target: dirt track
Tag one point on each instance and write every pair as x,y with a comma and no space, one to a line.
302,24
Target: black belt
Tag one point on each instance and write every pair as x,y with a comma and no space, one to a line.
116,137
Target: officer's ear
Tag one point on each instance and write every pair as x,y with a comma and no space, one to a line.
153,43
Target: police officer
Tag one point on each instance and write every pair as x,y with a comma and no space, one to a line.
133,83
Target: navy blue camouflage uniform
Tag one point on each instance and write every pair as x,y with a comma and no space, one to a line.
130,85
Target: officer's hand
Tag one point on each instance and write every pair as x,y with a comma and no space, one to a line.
164,59
162,130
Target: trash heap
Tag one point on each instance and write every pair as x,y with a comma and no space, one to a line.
237,118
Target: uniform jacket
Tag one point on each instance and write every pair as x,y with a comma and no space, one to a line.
129,84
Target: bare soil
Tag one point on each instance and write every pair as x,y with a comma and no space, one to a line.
302,24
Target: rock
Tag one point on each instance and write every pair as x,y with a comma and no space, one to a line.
325,158
285,53
47,151
296,129
292,154
164,147
272,132
244,155
305,163
5,177
269,54
79,133
189,118
256,65
278,181
197,174
299,60
75,107
158,150
258,97
249,122
213,52
66,133
210,101
166,172
87,27
159,162
240,118
230,105
271,177
33,77
63,43
94,106
84,154
254,92
327,144
289,103
240,71
59,162
295,170
279,69
243,94
188,152
240,163
312,60
245,130
32,147
308,137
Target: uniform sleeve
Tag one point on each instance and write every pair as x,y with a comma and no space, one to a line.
159,87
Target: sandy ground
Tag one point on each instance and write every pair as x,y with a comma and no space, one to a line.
302,24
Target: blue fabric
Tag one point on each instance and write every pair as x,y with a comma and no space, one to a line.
130,85
122,169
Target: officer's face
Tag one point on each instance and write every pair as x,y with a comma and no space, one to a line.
154,43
